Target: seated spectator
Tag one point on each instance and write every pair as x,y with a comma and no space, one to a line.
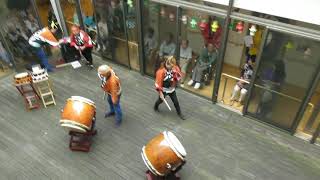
242,87
207,58
168,47
185,59
150,42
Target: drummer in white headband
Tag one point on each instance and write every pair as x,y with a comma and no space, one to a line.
111,85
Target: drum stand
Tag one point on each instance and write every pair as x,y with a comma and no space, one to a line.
82,141
171,176
29,94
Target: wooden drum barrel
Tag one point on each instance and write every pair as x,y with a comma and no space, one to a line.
163,154
78,114
22,78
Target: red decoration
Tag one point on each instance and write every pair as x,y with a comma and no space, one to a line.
203,25
239,27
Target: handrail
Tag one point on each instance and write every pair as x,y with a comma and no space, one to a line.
262,87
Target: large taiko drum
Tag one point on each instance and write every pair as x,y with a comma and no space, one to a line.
78,114
22,78
163,154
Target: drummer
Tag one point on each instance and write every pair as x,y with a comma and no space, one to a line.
41,37
167,78
111,85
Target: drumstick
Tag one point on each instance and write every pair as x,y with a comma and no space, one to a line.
164,100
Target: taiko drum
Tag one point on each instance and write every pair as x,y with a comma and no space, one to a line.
163,154
78,114
22,78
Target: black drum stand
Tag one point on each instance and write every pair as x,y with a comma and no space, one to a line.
82,141
171,176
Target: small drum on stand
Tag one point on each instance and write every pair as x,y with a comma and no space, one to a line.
22,78
39,74
78,114
164,154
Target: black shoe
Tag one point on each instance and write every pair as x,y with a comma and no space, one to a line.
181,116
155,108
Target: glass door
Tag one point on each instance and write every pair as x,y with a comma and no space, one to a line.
111,24
311,117
243,47
18,23
201,35
160,27
287,67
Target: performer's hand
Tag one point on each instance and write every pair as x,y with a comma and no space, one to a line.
82,48
77,47
161,95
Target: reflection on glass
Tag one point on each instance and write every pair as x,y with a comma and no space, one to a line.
131,25
5,61
89,20
18,26
280,86
311,118
243,45
159,39
69,13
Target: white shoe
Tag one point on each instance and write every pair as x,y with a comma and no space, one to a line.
190,82
197,85
182,85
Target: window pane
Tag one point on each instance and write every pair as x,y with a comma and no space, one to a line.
160,34
201,38
70,13
243,46
288,64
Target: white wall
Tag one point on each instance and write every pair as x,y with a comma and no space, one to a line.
306,10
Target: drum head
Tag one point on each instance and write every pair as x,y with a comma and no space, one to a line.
73,127
82,99
21,75
175,144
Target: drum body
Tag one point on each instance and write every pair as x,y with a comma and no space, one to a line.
39,74
22,78
78,114
163,154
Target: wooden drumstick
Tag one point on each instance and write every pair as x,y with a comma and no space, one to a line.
164,100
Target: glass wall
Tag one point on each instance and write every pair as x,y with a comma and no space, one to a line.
311,117
111,23
160,34
18,22
201,38
243,46
6,63
131,25
89,19
288,64
69,11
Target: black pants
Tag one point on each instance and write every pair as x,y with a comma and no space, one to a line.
174,99
87,53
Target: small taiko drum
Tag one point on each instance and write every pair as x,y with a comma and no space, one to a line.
22,78
163,154
39,74
78,114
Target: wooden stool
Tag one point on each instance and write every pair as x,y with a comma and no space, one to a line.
82,141
30,95
44,89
